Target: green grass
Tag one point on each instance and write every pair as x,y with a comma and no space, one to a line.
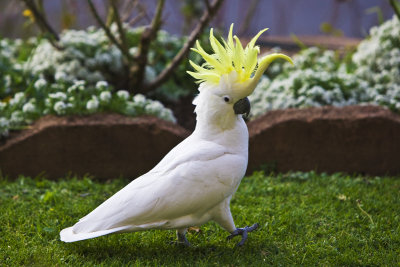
306,219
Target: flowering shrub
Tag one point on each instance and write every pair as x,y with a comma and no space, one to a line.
377,61
322,78
76,97
163,50
13,53
89,55
316,79
85,77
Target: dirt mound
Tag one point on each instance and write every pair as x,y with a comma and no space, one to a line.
103,145
354,139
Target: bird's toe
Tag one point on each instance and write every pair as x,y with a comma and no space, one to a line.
243,232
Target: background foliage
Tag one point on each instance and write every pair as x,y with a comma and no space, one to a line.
369,75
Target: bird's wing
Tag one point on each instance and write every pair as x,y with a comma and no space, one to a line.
193,177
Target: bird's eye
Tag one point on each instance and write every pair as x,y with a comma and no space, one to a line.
226,99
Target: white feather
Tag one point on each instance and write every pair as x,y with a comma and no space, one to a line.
191,185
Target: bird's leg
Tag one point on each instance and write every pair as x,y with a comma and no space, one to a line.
181,234
223,216
243,232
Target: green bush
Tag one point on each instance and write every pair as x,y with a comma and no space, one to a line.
13,54
89,55
88,75
377,61
66,98
321,77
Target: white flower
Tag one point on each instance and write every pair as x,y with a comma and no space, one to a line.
28,108
133,51
4,125
16,117
60,76
101,85
103,58
71,89
40,83
154,107
7,81
105,96
18,97
166,114
80,84
59,95
150,74
47,102
60,107
139,98
17,66
2,105
123,94
4,122
92,104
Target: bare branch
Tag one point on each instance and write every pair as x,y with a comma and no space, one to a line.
135,20
149,33
109,34
208,6
396,7
110,15
143,9
166,73
127,8
43,23
121,31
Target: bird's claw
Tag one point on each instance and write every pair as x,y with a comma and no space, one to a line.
243,232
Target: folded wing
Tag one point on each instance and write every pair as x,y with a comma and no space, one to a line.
191,179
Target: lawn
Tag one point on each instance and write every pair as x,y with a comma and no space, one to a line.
305,218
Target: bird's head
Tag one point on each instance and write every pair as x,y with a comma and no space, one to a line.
227,77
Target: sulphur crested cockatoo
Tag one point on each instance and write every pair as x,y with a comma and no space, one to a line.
195,181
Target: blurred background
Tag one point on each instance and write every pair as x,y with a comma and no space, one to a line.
350,18
50,49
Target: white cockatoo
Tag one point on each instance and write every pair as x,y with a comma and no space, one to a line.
195,181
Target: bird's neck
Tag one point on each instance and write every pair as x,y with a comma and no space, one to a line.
235,137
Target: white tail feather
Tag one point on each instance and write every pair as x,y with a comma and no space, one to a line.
67,234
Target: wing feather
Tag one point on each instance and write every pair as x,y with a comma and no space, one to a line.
189,179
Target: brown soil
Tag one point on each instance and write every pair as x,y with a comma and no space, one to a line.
354,139
104,145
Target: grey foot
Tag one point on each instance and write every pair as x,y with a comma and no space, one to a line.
183,240
243,232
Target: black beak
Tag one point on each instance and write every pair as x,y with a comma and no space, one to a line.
242,106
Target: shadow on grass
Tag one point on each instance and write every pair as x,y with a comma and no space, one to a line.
167,252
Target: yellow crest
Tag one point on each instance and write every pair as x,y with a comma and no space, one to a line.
226,58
